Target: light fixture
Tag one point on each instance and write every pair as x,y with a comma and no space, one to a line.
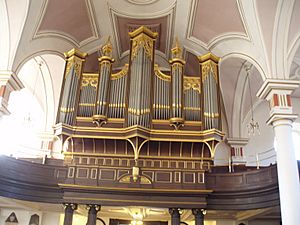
252,126
28,118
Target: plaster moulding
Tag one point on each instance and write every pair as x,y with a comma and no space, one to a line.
65,36
168,12
271,86
219,38
142,2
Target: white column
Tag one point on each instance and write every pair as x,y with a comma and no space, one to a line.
278,92
287,169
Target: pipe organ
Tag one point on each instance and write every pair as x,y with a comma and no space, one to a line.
71,86
140,124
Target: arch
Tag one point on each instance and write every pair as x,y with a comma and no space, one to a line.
248,58
46,84
222,155
4,36
13,15
292,52
234,103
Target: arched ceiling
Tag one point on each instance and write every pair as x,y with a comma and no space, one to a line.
263,33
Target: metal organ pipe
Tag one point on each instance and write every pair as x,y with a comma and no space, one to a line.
69,97
210,87
102,101
142,57
177,63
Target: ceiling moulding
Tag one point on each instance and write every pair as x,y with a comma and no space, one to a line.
220,37
135,20
64,35
142,2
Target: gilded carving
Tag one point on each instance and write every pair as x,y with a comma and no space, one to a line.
160,74
121,73
192,83
91,80
208,67
142,41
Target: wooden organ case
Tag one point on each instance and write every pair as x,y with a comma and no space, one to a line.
139,136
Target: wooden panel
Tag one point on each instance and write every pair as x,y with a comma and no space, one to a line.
106,174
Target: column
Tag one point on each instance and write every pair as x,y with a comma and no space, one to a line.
8,82
237,150
92,214
69,210
278,93
175,216
199,216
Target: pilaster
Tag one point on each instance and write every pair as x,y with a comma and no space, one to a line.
8,82
237,150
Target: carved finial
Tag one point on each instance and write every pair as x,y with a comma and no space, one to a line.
107,48
176,50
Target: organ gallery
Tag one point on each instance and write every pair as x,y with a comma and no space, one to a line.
140,127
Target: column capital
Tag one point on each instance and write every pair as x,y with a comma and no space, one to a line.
8,82
174,212
199,212
70,206
237,150
9,77
92,207
237,141
272,86
281,119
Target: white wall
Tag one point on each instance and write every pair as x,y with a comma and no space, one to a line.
222,154
263,143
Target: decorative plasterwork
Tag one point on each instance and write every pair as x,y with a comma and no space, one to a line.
142,2
41,33
217,38
154,21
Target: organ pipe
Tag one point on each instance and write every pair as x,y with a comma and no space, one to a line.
140,83
102,101
211,92
70,87
177,63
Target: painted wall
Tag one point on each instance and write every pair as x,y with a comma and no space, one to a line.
261,145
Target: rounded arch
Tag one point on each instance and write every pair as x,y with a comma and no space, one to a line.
4,36
42,74
35,54
247,58
13,15
222,154
235,89
292,53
